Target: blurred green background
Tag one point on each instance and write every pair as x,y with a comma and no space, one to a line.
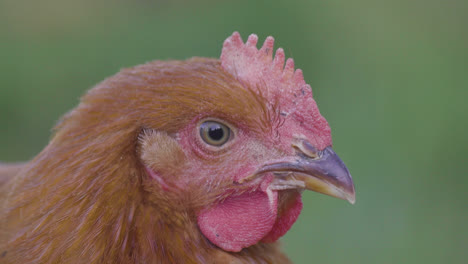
391,77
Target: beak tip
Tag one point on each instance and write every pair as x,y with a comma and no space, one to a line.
350,195
347,195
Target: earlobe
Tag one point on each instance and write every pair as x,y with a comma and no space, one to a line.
157,177
159,152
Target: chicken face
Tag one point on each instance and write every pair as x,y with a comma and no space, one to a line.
248,148
176,162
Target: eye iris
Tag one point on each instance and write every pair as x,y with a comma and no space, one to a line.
216,132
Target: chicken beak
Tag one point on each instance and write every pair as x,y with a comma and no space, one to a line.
322,172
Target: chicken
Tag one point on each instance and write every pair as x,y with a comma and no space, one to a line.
196,161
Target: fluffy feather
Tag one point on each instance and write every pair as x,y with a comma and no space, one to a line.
86,196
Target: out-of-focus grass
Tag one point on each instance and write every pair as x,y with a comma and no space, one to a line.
390,77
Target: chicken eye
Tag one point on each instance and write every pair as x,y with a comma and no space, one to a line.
214,133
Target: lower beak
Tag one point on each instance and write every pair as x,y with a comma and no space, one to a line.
324,173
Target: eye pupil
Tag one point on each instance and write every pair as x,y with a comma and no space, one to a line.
216,133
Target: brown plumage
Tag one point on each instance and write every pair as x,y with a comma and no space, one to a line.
122,182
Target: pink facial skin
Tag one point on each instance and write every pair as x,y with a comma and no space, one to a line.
242,219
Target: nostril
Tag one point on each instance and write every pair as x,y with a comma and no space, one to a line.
304,147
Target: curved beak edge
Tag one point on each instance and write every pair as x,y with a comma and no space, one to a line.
326,174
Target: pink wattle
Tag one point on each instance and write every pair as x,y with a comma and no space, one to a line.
239,221
242,221
285,219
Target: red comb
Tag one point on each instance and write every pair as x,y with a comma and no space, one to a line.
277,82
257,67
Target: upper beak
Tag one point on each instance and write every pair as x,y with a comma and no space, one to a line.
320,171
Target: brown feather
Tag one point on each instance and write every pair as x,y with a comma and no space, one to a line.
86,197
9,171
